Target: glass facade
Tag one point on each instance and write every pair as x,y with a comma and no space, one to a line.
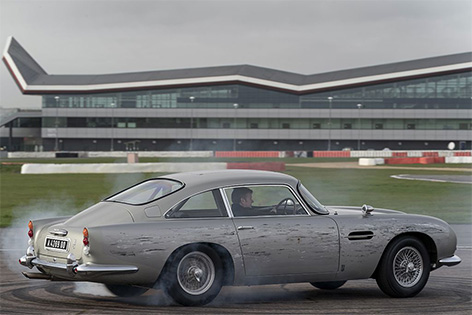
442,92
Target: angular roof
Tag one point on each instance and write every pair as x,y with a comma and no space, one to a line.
33,79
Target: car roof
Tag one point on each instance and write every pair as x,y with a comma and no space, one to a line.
205,180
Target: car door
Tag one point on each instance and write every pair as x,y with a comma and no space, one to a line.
286,240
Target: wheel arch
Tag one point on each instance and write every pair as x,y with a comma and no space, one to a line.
427,241
222,252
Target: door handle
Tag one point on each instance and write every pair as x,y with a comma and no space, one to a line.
245,227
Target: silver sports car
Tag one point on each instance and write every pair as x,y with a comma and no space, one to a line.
191,233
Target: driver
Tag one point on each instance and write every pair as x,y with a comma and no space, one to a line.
241,198
242,202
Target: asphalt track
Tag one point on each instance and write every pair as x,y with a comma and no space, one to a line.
448,291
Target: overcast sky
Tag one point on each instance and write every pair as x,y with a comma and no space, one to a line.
308,37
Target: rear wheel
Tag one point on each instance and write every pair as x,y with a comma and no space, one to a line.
125,290
330,285
404,268
194,276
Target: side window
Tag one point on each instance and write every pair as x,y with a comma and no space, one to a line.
263,201
204,205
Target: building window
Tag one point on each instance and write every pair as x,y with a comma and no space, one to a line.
226,125
379,126
410,126
316,126
464,126
347,126
285,126
254,126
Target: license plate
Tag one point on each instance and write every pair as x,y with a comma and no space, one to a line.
56,244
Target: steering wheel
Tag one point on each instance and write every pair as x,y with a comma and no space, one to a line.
284,204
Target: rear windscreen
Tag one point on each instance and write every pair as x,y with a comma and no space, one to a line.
146,191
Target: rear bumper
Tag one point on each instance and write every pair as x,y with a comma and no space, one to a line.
72,268
450,261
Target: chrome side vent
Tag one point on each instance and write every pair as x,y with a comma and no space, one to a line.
360,235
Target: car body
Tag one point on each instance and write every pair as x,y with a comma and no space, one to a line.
181,232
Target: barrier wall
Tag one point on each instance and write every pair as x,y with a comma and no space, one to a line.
253,154
114,154
89,168
248,154
458,159
412,160
264,166
337,154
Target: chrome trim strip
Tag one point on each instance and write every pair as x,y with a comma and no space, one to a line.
73,268
226,202
47,264
59,232
450,261
105,269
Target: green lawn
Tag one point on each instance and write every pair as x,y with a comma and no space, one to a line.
69,193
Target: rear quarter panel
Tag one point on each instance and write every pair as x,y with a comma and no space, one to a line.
149,245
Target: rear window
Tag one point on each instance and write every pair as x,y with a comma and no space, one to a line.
146,191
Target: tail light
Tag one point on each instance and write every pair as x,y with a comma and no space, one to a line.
30,227
86,235
85,240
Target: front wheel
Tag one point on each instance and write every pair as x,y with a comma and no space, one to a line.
404,268
194,276
330,285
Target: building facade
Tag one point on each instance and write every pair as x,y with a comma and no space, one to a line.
420,104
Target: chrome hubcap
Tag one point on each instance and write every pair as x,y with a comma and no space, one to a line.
408,267
196,273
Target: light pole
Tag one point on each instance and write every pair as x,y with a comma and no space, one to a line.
330,99
112,125
56,143
359,106
234,140
192,98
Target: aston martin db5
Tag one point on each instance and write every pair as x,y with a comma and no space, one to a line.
189,234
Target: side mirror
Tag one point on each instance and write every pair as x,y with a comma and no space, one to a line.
366,210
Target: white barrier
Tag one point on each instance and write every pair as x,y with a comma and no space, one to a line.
458,159
119,168
370,162
371,154
142,154
114,154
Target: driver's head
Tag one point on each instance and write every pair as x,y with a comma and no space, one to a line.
242,196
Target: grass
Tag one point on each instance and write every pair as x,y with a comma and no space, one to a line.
70,193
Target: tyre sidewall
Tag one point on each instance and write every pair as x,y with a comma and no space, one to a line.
171,284
387,281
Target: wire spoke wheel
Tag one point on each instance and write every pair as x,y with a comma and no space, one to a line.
408,267
196,273
404,268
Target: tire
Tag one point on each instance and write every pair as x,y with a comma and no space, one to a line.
404,268
194,276
331,285
125,290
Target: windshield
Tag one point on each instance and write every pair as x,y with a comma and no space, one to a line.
146,191
314,204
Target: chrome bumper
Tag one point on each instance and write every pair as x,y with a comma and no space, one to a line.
450,261
73,268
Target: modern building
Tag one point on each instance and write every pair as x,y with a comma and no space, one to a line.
420,104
